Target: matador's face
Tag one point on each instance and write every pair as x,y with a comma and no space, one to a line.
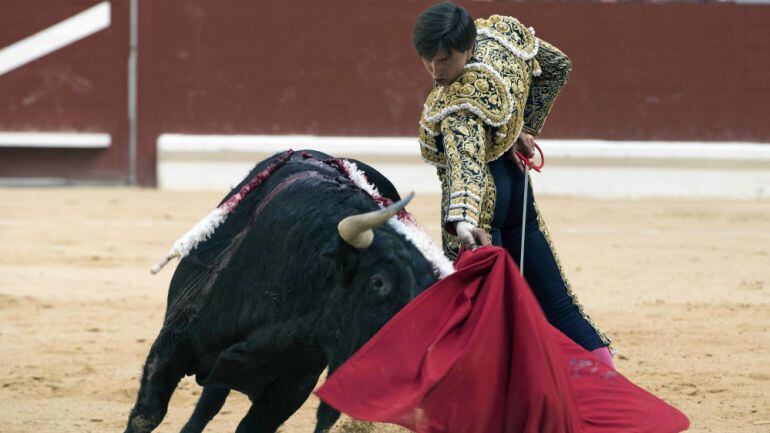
445,67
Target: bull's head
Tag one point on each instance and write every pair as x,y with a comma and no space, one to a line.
379,276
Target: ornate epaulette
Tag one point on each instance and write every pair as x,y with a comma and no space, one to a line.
479,89
511,34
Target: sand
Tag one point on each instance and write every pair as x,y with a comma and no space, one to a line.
683,288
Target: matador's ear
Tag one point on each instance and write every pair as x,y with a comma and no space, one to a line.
469,53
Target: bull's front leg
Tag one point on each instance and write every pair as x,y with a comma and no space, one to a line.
209,404
326,416
279,400
162,371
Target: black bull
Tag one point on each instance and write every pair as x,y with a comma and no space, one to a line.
275,296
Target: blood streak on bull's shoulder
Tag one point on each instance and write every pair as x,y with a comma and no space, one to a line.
257,180
403,223
205,228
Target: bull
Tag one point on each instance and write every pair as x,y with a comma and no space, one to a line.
301,274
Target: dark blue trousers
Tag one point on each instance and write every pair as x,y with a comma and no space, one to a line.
541,269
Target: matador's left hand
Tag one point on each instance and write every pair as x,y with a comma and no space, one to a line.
524,144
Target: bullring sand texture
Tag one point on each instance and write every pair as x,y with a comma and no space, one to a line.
683,287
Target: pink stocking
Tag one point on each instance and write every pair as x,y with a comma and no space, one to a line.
604,356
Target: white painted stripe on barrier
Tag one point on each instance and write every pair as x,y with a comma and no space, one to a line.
588,181
74,140
277,143
578,149
57,36
649,182
733,151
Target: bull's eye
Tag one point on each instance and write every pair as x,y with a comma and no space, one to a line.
380,285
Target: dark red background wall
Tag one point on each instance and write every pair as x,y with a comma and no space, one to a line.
346,67
79,88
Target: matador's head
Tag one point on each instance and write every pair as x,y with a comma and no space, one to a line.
444,37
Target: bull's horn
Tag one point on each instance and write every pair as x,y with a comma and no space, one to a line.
357,230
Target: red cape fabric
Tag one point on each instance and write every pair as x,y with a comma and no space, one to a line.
474,353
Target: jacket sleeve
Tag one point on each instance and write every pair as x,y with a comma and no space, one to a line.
555,69
464,146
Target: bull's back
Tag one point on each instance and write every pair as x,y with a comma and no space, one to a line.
248,270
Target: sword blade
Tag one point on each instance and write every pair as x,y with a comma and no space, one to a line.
524,218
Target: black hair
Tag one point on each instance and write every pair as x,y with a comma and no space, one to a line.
443,27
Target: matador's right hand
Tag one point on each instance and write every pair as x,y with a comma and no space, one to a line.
472,236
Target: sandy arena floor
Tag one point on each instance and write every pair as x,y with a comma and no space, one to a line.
683,287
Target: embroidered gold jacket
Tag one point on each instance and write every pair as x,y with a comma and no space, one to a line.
508,86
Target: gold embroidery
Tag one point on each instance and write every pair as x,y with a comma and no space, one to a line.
492,105
429,149
518,40
555,69
466,167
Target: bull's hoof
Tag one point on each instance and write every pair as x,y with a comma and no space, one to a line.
140,424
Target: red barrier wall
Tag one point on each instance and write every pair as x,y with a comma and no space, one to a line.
78,88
